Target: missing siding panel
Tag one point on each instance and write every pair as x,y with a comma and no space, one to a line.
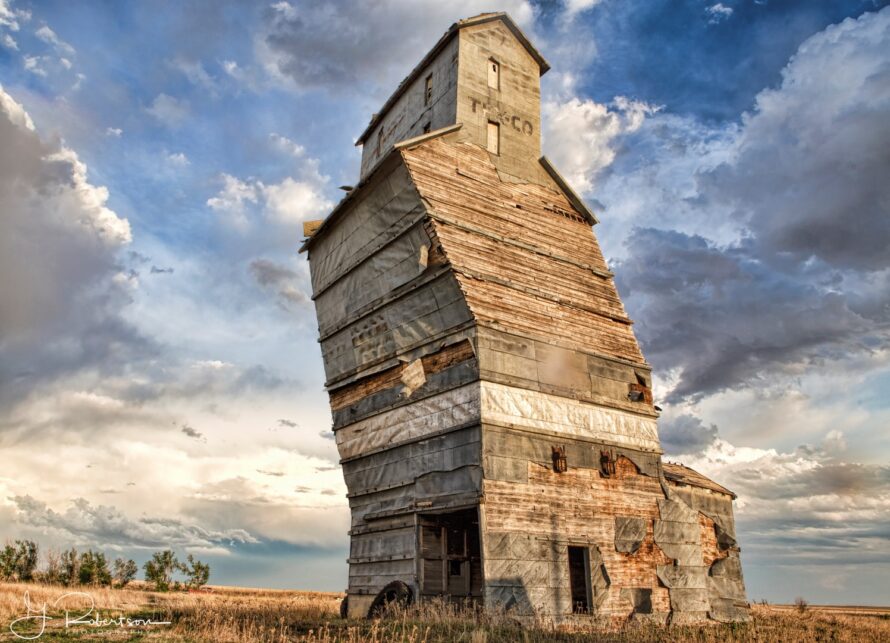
413,377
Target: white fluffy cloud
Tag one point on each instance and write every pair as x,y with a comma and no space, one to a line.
580,135
168,110
58,241
287,202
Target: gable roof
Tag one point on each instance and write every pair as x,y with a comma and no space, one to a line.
482,18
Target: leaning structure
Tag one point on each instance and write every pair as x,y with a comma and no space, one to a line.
491,405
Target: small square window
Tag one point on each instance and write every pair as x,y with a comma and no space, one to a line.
494,137
494,74
428,91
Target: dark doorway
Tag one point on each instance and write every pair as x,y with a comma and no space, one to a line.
579,579
451,564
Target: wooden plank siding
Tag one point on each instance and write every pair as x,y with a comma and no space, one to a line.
503,239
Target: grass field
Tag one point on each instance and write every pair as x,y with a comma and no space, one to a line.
239,614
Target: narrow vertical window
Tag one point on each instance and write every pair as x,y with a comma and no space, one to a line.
379,142
428,91
494,74
494,138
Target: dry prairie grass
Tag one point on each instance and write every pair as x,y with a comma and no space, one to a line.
242,614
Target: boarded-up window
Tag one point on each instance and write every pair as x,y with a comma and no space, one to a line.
494,138
428,91
494,74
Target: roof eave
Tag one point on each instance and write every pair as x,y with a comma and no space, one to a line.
358,189
571,195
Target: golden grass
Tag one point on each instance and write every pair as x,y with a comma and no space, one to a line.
224,614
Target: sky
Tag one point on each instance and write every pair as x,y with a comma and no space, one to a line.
161,383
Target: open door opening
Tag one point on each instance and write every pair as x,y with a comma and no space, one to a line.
451,563
579,579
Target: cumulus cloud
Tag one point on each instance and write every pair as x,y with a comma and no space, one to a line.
803,280
9,42
809,174
580,135
168,110
373,48
84,524
827,511
61,289
286,203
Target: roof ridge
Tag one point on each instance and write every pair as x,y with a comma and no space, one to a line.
482,18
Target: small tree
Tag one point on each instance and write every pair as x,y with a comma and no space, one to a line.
70,567
801,604
124,571
52,573
26,559
18,560
198,573
7,562
94,569
159,570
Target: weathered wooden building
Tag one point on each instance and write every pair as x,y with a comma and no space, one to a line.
491,405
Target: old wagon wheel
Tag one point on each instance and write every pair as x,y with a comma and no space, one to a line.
396,593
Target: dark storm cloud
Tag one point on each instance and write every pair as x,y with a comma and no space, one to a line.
723,318
685,434
805,179
810,178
